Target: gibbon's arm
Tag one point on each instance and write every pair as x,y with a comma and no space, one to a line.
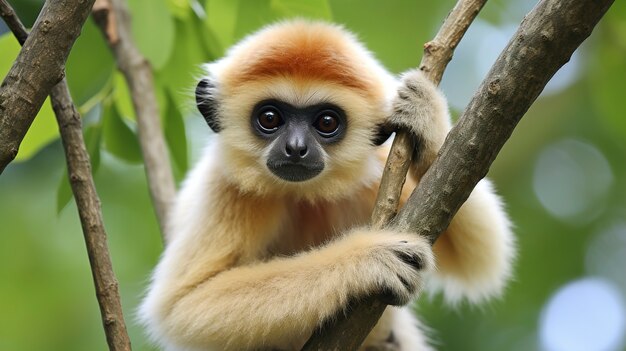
209,289
282,300
474,255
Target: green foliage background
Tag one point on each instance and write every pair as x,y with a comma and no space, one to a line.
47,299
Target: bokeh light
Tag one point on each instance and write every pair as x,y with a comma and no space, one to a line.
606,255
585,315
571,179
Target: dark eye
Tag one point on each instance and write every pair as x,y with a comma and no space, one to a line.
269,119
327,124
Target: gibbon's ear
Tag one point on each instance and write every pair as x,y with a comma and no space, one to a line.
383,133
207,103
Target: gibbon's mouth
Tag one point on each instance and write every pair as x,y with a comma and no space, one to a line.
295,172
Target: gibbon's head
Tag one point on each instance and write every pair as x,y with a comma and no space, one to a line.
298,108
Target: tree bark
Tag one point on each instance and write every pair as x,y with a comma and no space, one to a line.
114,21
543,43
38,67
87,201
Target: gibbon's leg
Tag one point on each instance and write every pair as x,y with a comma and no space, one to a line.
278,303
474,255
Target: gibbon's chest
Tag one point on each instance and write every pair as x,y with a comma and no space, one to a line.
310,225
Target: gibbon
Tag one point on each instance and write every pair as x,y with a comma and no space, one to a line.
268,237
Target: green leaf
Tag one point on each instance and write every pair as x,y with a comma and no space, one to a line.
92,137
174,128
319,9
42,132
64,192
608,71
153,30
222,20
400,31
121,97
252,16
119,138
179,8
44,128
213,48
90,65
180,75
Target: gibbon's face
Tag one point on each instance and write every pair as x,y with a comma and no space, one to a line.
297,135
297,108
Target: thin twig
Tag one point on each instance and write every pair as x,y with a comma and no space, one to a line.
13,22
545,41
113,18
349,330
38,67
87,201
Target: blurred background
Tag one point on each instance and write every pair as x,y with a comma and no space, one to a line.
562,173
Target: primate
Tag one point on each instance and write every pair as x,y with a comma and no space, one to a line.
268,237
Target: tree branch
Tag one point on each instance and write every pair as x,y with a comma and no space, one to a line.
544,42
88,204
38,67
349,330
87,201
114,21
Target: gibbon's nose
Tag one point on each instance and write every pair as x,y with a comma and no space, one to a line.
296,149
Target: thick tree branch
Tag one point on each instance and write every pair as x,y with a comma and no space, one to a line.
114,20
544,42
349,330
87,201
38,67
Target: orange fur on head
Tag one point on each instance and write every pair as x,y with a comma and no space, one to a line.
301,49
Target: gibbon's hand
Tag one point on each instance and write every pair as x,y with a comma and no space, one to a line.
421,109
392,264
